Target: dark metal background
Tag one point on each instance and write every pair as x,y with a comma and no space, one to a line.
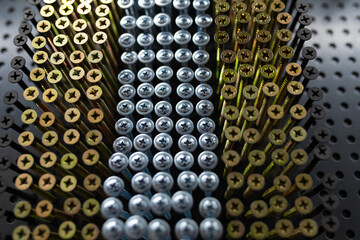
336,36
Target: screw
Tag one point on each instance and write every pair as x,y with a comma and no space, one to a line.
231,159
234,208
283,229
258,230
298,158
235,229
303,182
256,159
258,209
281,184
279,157
255,182
278,204
112,228
303,205
307,228
297,134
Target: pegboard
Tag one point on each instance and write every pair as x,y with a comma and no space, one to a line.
336,36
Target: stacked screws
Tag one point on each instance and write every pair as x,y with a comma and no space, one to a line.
66,119
81,185
261,78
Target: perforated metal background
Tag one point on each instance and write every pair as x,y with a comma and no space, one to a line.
336,36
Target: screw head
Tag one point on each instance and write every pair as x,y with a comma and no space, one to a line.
186,229
160,204
122,145
139,205
141,182
184,160
162,182
209,207
112,229
158,229
162,161
113,186
211,228
138,161
187,181
183,21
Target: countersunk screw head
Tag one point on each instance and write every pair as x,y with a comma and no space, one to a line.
207,160
158,229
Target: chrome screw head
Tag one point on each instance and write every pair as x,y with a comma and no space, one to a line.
162,161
